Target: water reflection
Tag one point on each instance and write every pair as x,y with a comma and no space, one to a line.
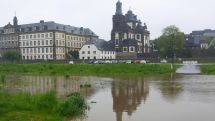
171,88
128,95
162,98
62,85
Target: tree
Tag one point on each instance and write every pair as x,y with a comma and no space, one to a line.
73,54
170,30
212,43
171,39
11,56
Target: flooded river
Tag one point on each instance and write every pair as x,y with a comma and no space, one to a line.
168,98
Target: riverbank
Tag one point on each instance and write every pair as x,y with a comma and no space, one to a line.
86,69
208,69
39,107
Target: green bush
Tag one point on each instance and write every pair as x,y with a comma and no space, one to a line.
73,105
40,107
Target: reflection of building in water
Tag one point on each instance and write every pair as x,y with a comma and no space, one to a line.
128,95
62,85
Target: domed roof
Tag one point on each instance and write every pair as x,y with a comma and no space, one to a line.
130,16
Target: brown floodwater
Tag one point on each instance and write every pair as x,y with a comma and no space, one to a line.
168,98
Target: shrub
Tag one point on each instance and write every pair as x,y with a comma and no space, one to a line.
73,105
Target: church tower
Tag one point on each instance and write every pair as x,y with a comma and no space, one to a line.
118,26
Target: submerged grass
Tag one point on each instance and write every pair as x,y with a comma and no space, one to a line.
86,69
40,107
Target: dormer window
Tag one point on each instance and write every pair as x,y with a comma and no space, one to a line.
37,28
29,29
45,27
22,29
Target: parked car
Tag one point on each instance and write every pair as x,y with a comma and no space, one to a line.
71,62
163,61
114,61
108,62
136,61
143,61
96,62
128,62
122,61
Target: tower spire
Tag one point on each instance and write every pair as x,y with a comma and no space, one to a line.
118,8
15,20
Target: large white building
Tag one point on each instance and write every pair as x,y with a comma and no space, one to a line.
44,40
97,49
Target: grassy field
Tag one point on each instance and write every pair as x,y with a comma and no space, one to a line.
208,69
86,69
40,107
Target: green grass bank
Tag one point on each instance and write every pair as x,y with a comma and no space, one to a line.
208,69
40,107
86,69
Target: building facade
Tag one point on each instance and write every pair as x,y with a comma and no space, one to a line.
199,39
9,37
128,34
44,40
97,49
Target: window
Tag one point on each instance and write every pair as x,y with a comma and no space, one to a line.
51,50
94,52
56,42
88,46
34,42
125,49
42,50
117,41
42,42
46,50
47,42
23,51
132,49
138,36
83,52
47,35
38,35
51,42
42,35
50,34
88,52
39,52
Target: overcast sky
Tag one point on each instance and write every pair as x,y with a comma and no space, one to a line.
188,15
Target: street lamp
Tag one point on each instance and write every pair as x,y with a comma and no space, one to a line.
172,51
